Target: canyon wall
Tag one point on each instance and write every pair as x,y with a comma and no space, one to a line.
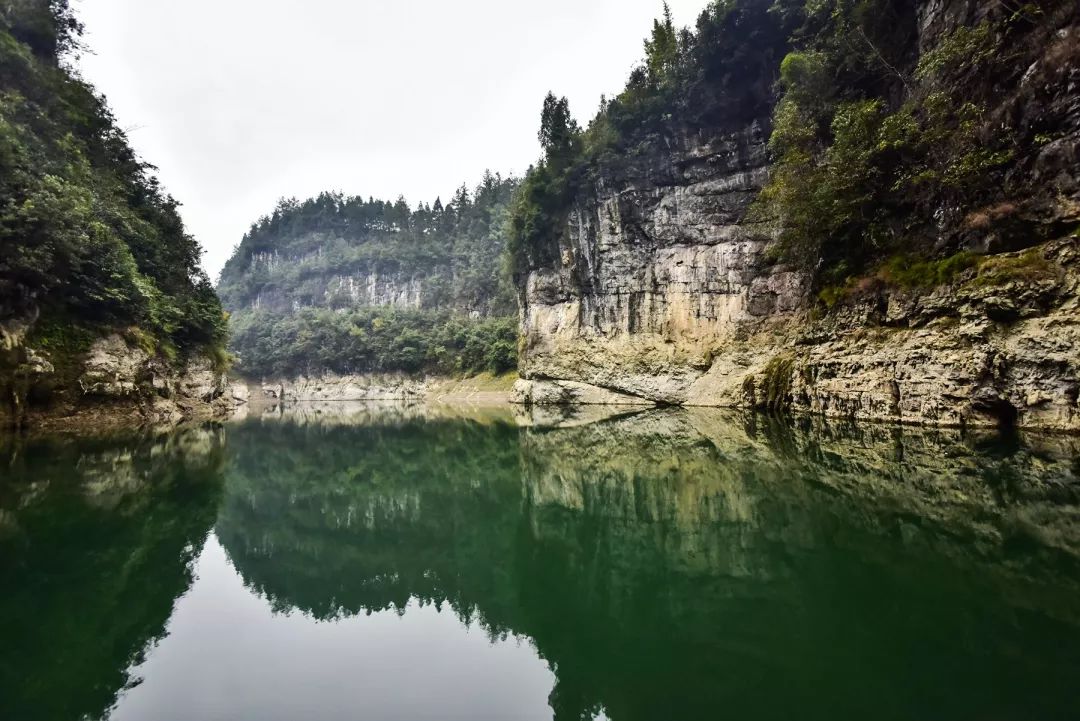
664,291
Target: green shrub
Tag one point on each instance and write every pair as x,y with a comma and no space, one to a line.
1029,266
777,383
908,271
864,143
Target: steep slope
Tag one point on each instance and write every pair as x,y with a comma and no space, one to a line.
861,209
101,294
343,285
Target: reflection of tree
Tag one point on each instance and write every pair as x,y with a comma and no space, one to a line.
345,519
677,565
101,538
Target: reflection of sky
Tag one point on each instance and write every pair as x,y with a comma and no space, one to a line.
228,656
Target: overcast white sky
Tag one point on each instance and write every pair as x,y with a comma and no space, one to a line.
242,102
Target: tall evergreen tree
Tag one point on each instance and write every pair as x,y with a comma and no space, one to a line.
661,48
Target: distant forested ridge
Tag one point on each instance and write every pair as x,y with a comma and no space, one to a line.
89,242
343,284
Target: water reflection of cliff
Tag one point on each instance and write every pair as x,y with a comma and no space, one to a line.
683,564
97,541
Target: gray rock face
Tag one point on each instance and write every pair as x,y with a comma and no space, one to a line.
549,393
664,289
656,280
332,290
113,370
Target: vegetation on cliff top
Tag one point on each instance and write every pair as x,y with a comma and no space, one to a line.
317,286
715,78
87,235
883,152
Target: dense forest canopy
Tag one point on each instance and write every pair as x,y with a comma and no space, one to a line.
886,155
891,149
347,284
88,239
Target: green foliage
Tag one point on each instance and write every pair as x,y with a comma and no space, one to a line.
964,49
292,255
805,79
903,270
48,27
820,194
908,271
559,134
831,295
372,339
537,217
866,139
777,383
1028,267
85,231
661,49
65,341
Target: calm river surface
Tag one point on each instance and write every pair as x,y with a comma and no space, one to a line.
385,562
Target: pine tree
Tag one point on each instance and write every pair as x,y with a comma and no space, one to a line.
662,49
461,200
559,132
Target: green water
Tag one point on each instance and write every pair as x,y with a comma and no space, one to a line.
365,562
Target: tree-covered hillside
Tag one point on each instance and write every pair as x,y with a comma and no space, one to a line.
344,284
89,242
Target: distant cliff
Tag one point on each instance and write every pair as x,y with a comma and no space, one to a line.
860,209
347,285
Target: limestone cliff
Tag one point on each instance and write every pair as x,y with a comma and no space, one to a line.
663,288
329,286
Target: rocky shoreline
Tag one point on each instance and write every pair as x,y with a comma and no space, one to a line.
115,384
333,387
